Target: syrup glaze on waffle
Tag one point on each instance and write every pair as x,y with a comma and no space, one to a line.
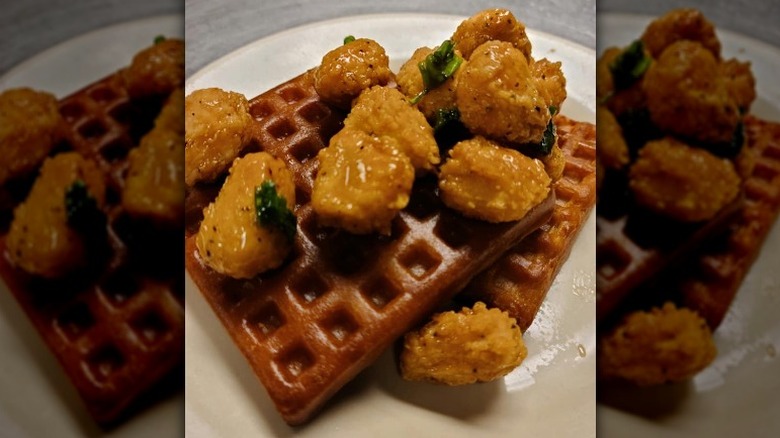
519,281
340,300
710,283
635,247
116,328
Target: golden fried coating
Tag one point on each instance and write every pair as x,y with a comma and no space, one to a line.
685,183
156,70
30,126
362,183
351,68
410,82
491,25
680,24
554,162
550,80
499,97
217,126
612,149
486,181
740,82
382,111
231,240
687,96
154,187
656,347
473,345
40,240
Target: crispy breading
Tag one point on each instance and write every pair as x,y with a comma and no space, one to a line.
491,25
156,70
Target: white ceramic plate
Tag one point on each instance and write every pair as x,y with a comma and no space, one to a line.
737,394
551,394
36,398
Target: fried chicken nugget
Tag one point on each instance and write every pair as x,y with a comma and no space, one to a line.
351,68
217,126
740,82
680,24
30,126
491,25
550,80
656,347
382,111
156,70
473,345
154,187
486,181
687,96
499,97
612,150
230,239
362,183
40,241
682,182
410,82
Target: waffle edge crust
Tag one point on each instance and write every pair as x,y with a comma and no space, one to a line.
339,300
116,328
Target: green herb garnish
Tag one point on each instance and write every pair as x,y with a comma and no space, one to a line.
445,116
548,138
731,148
272,210
158,39
437,67
630,65
81,209
348,39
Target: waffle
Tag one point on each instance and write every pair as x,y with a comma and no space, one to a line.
716,273
519,281
635,247
341,299
118,328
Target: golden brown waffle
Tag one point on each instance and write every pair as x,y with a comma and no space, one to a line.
634,247
117,328
716,273
341,299
519,281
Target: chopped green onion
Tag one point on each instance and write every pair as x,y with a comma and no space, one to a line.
158,39
81,209
272,210
630,65
348,39
444,116
437,67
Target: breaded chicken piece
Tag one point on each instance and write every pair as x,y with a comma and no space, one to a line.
491,25
612,149
687,96
154,187
660,346
382,111
156,70
486,181
550,80
362,183
473,345
217,127
30,126
410,82
618,101
231,240
740,82
680,24
682,182
40,241
351,68
499,97
554,162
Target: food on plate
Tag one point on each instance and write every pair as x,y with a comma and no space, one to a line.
391,222
233,240
27,117
46,237
474,345
92,251
664,345
685,160
157,70
682,182
347,70
363,182
217,127
486,181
